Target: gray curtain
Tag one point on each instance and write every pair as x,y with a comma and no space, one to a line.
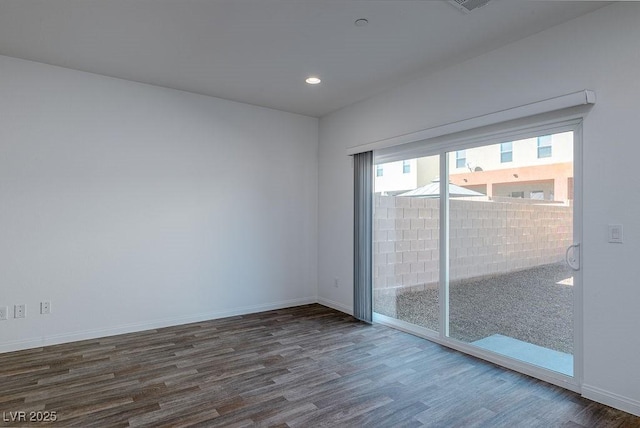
362,236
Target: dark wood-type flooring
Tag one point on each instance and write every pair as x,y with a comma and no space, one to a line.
300,367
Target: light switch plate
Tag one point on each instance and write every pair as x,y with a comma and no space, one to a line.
615,233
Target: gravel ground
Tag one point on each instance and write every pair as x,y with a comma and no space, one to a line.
528,305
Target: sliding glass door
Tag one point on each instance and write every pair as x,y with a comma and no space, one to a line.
499,282
405,241
510,289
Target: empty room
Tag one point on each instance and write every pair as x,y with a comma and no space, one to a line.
308,213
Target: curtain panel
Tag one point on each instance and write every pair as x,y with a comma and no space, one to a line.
362,236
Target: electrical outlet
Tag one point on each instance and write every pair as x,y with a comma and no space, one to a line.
45,308
19,311
4,313
336,282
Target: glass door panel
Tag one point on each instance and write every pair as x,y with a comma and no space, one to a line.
510,290
405,239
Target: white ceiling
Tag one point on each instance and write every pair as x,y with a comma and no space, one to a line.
260,51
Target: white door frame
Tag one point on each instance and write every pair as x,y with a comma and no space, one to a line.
440,146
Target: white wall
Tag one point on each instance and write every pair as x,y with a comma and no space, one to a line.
598,51
130,206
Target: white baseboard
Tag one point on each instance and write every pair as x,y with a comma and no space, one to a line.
610,399
335,305
37,342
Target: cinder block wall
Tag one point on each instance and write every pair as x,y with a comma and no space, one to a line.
486,238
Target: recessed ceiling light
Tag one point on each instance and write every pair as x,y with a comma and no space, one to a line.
313,80
361,22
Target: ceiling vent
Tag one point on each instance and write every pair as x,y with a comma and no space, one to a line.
468,5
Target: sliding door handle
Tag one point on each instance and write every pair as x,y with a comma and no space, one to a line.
573,260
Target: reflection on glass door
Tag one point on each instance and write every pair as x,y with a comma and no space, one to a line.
405,239
510,290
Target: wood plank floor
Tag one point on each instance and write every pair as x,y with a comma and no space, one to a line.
298,367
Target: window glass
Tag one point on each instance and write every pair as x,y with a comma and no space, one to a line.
461,158
506,152
544,146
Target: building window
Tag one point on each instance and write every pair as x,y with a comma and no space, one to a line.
517,195
379,171
506,152
570,188
544,146
406,167
461,158
537,194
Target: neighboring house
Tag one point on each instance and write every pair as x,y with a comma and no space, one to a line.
397,177
394,177
533,168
